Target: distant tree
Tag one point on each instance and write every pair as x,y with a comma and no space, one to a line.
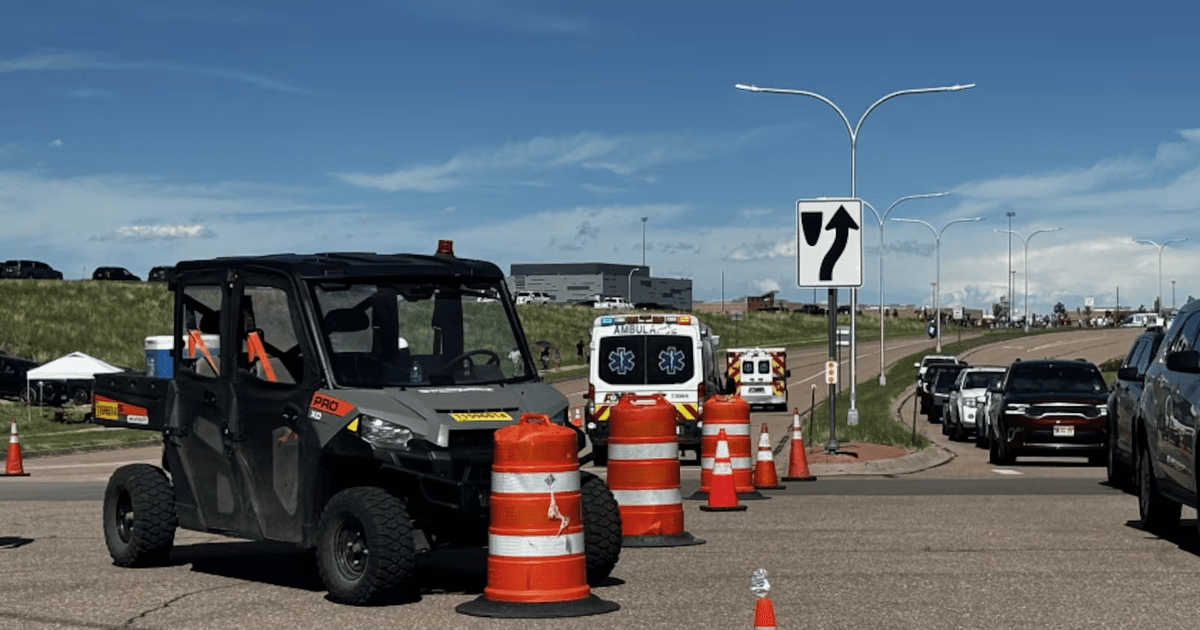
1060,310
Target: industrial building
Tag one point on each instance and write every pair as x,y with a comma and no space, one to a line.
572,283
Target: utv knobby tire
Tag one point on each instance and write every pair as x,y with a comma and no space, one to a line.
365,550
601,527
1158,513
139,516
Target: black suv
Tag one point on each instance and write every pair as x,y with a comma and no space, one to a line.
114,273
160,274
944,378
1049,407
13,382
1123,402
926,377
29,269
1164,428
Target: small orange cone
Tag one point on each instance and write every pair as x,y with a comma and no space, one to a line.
798,461
723,495
577,421
764,614
765,477
12,465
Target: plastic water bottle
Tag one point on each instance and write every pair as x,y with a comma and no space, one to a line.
416,375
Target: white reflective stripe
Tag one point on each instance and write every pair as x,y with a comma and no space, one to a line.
662,450
736,462
535,483
764,440
797,434
730,429
765,456
722,468
667,496
535,546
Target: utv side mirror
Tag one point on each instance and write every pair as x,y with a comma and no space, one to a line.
1187,361
1130,373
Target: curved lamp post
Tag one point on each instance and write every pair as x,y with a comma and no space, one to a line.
881,219
1160,251
937,245
1025,243
852,414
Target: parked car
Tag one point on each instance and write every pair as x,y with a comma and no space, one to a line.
1049,407
1122,406
925,380
968,399
29,269
532,297
1164,429
943,380
612,302
13,383
931,359
114,273
160,274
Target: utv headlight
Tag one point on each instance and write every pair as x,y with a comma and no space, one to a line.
380,432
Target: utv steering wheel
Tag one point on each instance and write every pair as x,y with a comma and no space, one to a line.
454,364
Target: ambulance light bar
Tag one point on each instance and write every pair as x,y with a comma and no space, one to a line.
685,320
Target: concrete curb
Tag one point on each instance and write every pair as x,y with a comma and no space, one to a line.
924,459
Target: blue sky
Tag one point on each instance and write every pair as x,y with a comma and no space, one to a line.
138,133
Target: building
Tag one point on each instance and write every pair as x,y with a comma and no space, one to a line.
571,283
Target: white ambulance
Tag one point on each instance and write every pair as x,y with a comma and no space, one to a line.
675,355
759,375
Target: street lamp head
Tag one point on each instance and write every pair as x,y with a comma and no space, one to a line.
956,88
743,86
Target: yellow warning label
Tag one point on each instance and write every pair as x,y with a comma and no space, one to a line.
482,416
107,410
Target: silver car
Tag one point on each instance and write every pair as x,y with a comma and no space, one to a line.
968,400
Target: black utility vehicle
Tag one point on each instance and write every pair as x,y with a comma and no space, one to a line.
926,378
29,269
1049,407
160,274
114,273
345,403
944,378
1123,404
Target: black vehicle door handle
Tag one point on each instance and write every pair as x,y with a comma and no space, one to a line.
210,399
291,414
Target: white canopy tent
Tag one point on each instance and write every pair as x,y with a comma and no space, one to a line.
76,365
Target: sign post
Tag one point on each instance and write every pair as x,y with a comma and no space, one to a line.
829,254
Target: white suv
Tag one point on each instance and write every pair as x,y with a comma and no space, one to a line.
966,411
532,297
612,302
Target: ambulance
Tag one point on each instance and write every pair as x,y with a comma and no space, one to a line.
759,375
674,355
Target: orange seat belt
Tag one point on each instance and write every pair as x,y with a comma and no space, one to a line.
195,340
255,350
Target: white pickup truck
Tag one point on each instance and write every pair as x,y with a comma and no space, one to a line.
611,302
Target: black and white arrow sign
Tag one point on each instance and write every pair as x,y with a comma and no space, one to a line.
829,243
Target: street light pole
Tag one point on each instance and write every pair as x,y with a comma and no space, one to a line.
644,240
630,284
881,219
1160,252
937,246
1025,243
1008,276
852,414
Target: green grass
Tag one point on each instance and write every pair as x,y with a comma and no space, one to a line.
40,432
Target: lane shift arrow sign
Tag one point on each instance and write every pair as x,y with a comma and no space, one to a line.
841,223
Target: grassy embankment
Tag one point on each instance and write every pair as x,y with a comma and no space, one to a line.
44,320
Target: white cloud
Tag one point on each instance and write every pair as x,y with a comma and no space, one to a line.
56,143
623,154
40,62
764,285
156,232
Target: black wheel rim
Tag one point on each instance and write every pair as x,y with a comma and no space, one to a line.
124,516
351,551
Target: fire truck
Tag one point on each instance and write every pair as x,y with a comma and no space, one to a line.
674,355
759,375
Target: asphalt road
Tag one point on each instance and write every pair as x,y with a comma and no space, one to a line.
1040,544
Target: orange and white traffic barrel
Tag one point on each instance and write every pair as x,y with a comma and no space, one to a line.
536,562
643,472
732,415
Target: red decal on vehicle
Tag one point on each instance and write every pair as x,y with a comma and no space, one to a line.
329,404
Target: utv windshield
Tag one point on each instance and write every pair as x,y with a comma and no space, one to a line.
383,333
646,360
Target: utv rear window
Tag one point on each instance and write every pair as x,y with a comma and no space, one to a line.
646,360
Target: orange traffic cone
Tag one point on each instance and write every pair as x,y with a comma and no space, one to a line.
765,477
723,495
12,465
577,420
764,614
798,462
